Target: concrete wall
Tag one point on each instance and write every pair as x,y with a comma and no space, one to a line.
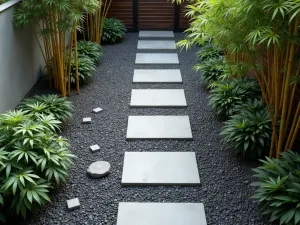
20,59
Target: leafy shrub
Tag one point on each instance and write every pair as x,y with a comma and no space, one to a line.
32,159
212,69
90,49
209,51
113,31
250,105
229,93
60,108
249,131
279,188
86,67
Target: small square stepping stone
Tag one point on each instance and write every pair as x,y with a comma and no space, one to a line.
95,148
73,203
156,34
158,98
156,58
87,120
159,127
158,44
97,110
157,76
161,214
160,168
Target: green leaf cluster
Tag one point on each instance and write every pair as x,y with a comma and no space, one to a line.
113,31
90,49
33,157
249,130
86,68
278,188
47,105
227,94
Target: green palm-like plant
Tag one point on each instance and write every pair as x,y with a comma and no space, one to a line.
113,31
249,132
209,51
86,67
229,93
278,188
60,108
33,158
90,49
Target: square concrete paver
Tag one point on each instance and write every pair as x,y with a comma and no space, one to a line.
159,127
158,98
157,76
161,214
156,34
158,44
156,58
160,168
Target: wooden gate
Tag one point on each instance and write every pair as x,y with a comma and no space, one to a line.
156,15
149,14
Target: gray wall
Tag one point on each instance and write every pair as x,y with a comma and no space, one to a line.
20,59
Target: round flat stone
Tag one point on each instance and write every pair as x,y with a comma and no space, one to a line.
98,169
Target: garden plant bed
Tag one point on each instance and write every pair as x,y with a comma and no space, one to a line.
225,178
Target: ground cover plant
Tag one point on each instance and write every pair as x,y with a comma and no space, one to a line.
279,188
86,67
113,31
91,49
33,157
249,130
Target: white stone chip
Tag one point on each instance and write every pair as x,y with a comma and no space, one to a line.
87,120
73,203
95,148
98,169
97,110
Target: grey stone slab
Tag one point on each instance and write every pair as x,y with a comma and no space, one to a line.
160,168
95,148
87,120
157,76
161,214
158,98
159,127
156,34
156,58
73,203
156,44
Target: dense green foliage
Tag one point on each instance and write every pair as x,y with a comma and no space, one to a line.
33,158
91,49
278,188
249,131
229,93
47,105
113,31
86,67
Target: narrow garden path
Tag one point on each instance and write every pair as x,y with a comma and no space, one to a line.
225,179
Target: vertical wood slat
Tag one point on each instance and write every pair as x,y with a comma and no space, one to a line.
122,10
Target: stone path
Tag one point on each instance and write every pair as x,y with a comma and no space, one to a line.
159,168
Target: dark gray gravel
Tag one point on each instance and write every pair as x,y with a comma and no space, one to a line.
225,178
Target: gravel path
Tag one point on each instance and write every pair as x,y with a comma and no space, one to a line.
225,178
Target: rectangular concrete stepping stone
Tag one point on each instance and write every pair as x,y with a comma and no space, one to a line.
160,168
161,214
157,44
159,127
157,76
156,34
158,98
156,58
73,203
